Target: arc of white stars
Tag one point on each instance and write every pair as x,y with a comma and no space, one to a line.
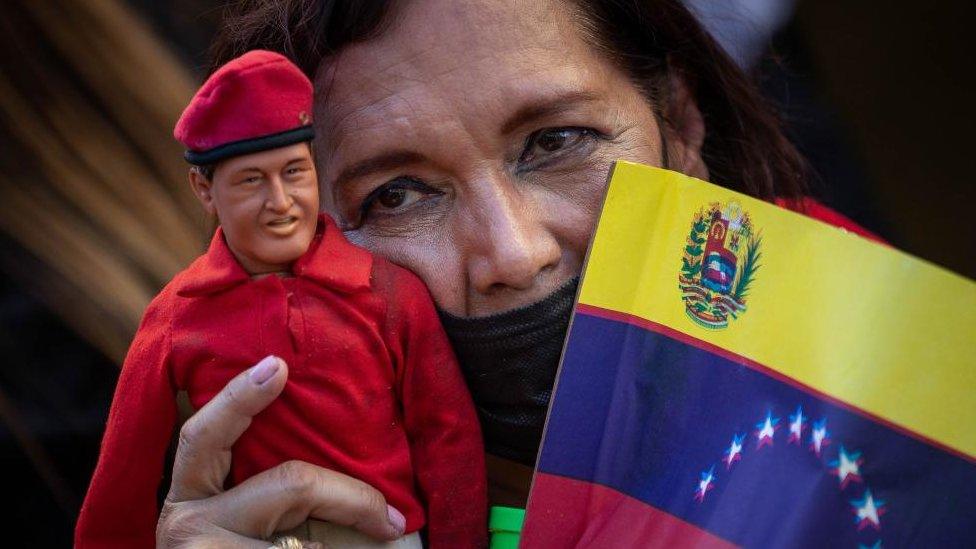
846,466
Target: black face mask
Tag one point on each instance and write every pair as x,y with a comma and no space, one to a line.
509,361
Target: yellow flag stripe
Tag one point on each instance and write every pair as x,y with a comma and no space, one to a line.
862,323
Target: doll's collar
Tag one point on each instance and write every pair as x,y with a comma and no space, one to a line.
331,261
213,271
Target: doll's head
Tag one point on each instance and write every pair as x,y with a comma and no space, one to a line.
247,132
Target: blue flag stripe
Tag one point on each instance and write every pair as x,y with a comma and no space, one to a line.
658,419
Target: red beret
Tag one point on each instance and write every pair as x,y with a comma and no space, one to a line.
256,102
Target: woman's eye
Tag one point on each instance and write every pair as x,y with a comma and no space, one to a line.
392,198
546,143
395,197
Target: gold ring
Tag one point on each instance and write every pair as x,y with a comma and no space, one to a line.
287,542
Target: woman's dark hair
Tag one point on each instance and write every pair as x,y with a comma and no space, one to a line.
651,40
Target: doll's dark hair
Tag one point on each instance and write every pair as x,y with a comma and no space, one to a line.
651,40
206,170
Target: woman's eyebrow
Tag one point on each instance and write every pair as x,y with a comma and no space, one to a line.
546,107
382,162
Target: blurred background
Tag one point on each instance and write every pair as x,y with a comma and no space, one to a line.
95,213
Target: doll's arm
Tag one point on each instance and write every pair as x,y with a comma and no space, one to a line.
120,509
440,419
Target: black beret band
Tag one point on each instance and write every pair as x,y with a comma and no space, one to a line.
248,146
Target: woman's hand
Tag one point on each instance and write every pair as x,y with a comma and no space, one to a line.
199,513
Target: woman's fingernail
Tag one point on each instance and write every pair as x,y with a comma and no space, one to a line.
396,519
264,370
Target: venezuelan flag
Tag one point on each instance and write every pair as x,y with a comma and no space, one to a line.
739,375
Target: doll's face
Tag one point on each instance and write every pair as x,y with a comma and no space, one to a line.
267,204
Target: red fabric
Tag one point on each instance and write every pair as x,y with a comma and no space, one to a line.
258,94
812,208
374,390
566,512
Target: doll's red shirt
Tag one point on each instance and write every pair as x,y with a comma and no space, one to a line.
374,390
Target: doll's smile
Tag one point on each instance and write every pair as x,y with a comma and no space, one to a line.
283,226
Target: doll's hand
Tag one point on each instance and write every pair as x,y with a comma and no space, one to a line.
199,513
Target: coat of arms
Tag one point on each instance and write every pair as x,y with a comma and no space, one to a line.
720,260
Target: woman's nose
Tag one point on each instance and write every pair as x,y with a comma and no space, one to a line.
278,200
509,244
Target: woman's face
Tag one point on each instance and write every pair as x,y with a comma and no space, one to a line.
471,144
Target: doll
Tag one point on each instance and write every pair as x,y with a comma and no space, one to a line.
373,391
